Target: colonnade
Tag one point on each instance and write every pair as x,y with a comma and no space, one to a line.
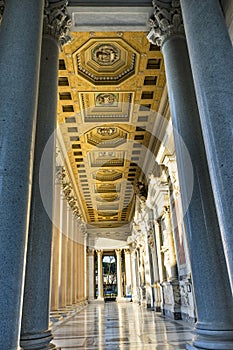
193,115
68,254
124,284
200,85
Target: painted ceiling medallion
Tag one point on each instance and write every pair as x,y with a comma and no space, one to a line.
105,54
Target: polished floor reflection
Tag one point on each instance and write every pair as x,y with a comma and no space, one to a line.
123,326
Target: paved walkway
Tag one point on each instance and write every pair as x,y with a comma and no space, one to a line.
113,326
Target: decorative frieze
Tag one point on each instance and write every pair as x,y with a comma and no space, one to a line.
57,22
166,23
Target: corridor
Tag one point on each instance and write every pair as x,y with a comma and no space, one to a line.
123,326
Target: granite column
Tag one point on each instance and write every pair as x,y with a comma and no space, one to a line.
214,327
20,47
211,57
35,330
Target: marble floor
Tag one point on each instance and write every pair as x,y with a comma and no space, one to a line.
123,326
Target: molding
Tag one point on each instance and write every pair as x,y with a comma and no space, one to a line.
105,18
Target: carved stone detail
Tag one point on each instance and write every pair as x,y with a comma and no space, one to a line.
167,21
141,191
60,174
57,22
2,7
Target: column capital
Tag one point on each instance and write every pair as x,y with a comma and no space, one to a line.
167,21
2,7
99,252
118,251
57,22
127,251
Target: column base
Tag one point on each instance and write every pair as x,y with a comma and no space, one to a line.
41,341
211,340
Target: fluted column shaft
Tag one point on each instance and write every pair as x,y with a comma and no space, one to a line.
69,284
75,261
100,275
212,66
78,267
119,275
63,282
214,328
56,243
85,268
19,77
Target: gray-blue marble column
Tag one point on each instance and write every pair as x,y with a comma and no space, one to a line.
20,45
214,304
35,330
211,56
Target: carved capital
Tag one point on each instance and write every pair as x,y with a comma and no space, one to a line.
57,22
118,252
166,23
2,7
99,252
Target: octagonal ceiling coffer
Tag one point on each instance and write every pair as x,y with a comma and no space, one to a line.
107,137
106,61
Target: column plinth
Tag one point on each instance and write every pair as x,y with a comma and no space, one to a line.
210,278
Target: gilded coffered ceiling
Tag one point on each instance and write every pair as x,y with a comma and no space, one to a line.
110,87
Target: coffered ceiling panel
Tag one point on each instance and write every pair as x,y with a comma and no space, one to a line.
109,89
